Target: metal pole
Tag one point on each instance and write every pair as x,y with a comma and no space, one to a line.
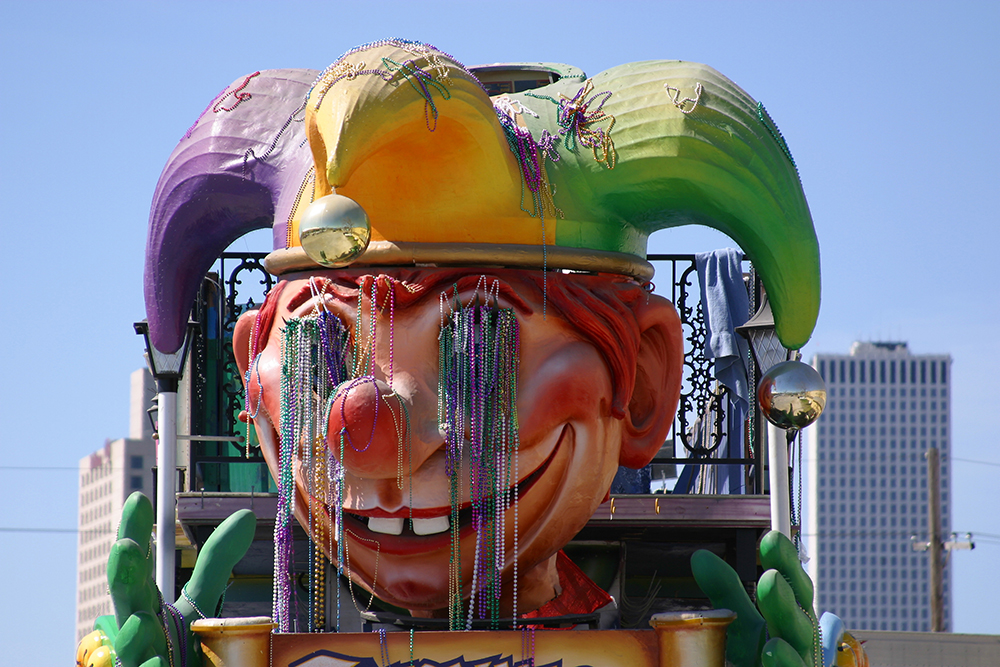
166,462
777,475
934,537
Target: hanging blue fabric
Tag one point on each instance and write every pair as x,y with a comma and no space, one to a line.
725,305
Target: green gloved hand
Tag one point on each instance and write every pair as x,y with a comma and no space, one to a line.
785,600
144,631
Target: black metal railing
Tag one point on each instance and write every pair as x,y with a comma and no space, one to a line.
239,282
234,463
702,424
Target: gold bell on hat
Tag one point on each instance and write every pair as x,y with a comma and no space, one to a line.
334,231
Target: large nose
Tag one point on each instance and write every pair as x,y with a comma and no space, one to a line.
368,428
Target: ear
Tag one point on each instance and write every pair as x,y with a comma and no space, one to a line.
262,318
657,381
241,340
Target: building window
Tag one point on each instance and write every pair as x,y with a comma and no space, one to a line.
135,483
135,463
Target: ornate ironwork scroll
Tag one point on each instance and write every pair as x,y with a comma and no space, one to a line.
701,421
237,284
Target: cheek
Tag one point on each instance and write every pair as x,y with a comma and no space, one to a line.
555,509
570,383
264,386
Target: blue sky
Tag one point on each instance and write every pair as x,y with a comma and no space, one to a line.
888,109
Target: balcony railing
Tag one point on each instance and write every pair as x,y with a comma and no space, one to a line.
702,424
239,282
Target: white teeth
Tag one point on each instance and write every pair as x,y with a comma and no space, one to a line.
385,526
438,524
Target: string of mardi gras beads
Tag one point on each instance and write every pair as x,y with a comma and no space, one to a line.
283,557
309,472
422,82
362,350
316,355
579,117
328,479
528,154
443,410
475,452
253,369
478,354
313,360
341,69
313,381
302,448
319,497
450,413
320,369
364,360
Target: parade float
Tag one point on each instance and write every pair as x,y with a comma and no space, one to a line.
461,350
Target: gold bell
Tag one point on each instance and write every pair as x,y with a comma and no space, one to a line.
334,231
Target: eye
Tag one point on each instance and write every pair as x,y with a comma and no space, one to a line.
333,348
321,353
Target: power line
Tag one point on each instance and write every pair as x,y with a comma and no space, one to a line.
848,532
978,534
57,468
985,463
5,529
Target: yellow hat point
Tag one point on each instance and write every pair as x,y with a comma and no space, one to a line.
411,135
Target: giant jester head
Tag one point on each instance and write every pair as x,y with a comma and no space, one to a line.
449,373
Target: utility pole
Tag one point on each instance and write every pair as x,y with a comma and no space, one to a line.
934,536
935,545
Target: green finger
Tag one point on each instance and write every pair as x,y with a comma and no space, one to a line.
784,617
137,519
723,587
108,626
132,589
223,549
778,553
137,525
779,653
140,640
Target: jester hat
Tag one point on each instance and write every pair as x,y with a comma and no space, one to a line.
573,174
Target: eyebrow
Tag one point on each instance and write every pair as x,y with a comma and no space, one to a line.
414,288
324,285
456,284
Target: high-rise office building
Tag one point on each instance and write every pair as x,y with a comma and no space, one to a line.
867,485
107,478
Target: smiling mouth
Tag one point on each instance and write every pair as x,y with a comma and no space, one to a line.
416,534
